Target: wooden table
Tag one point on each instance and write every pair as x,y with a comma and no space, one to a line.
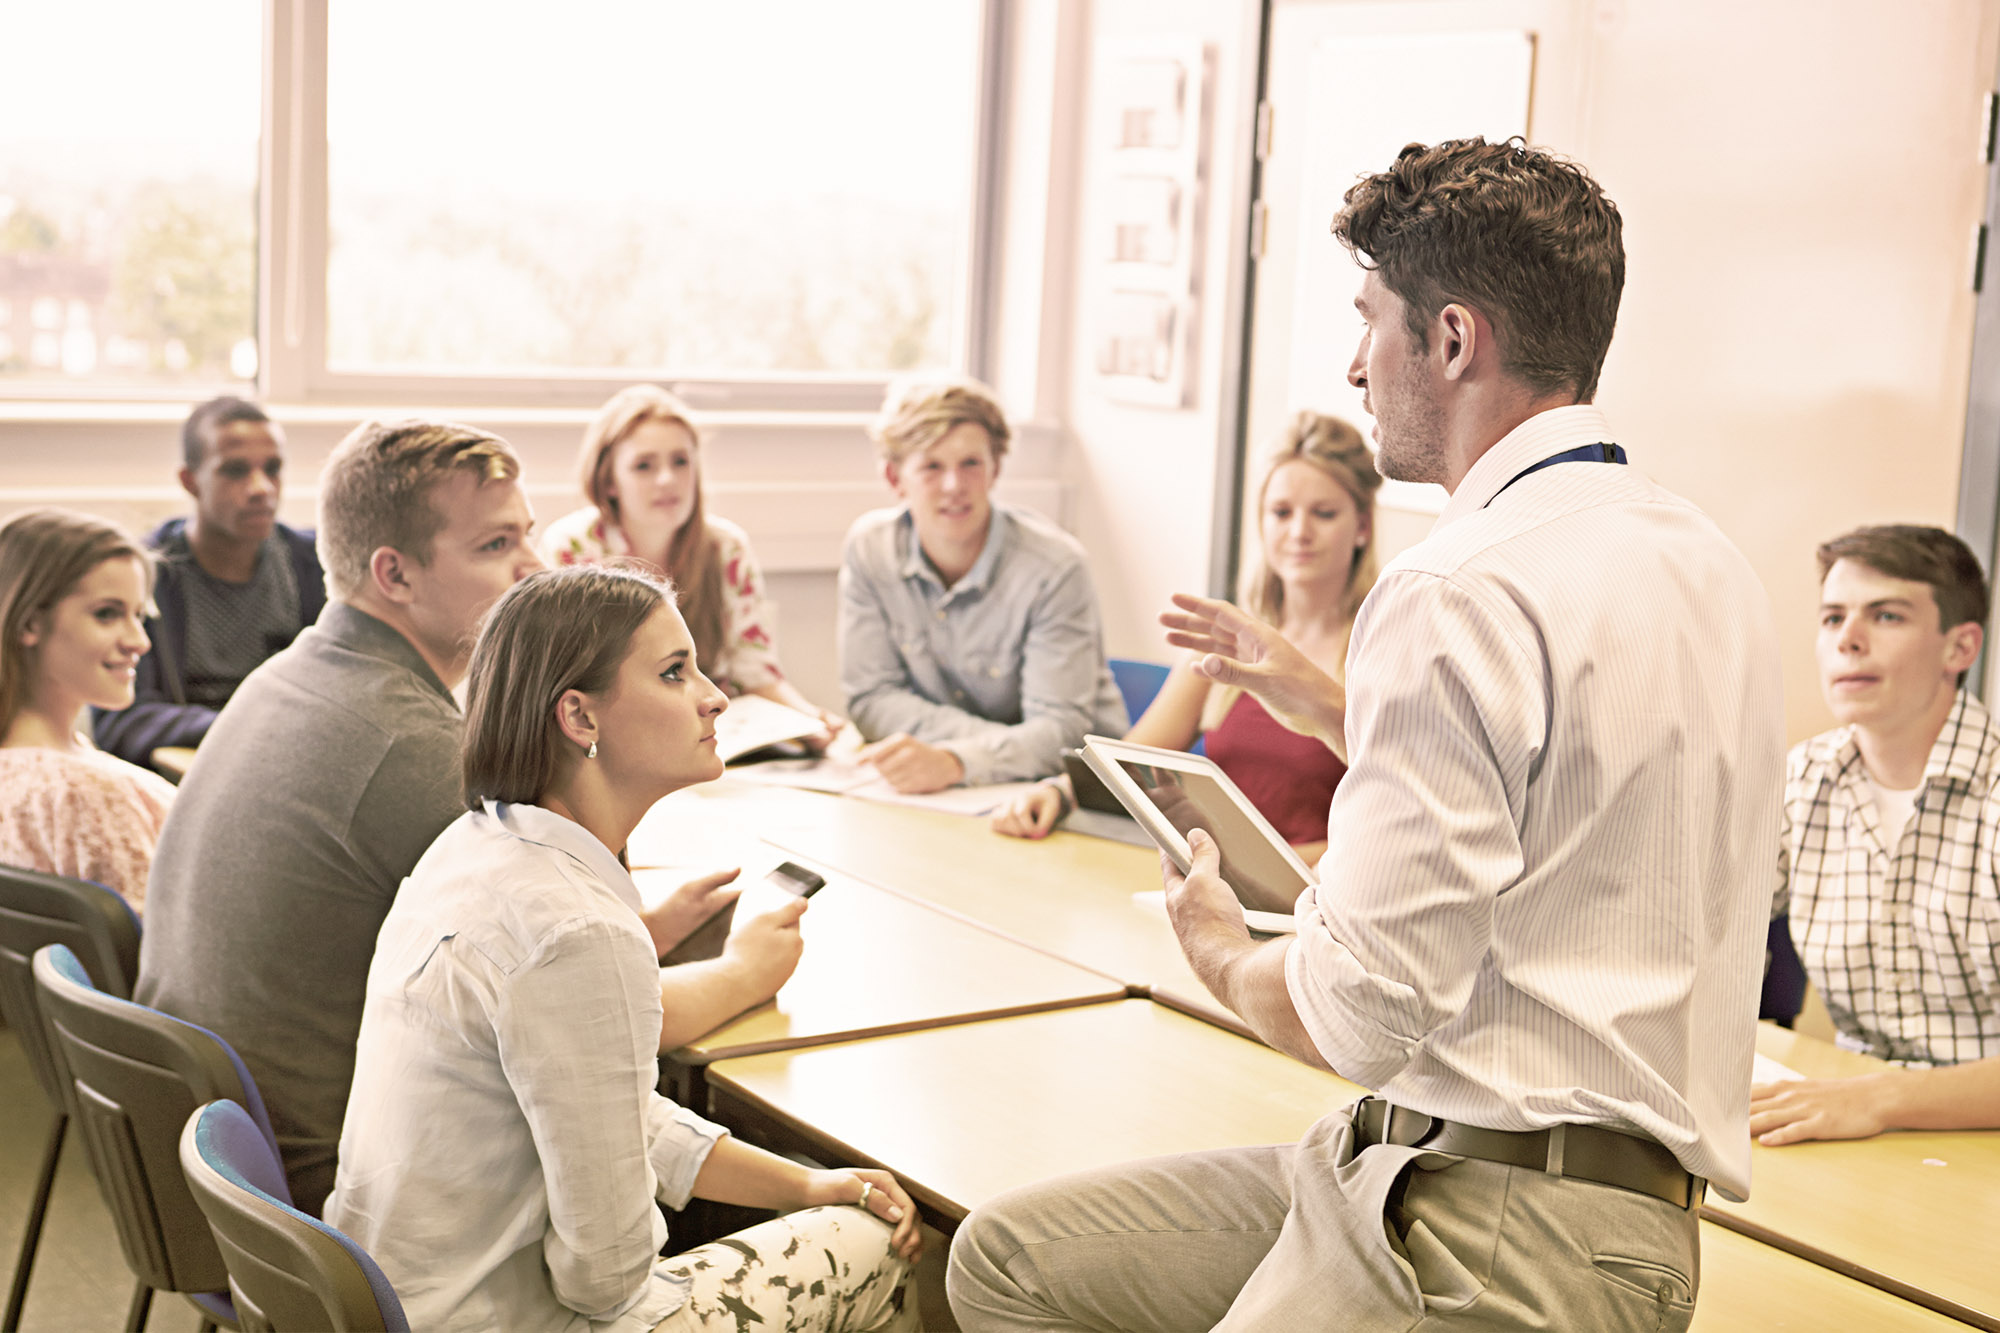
1749,1287
1909,1214
1076,897
963,1113
1915,1214
173,760
876,963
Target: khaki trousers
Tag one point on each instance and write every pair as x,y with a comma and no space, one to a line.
1315,1236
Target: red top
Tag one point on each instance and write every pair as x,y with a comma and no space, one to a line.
1288,777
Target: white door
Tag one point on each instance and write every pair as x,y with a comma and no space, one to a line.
1349,85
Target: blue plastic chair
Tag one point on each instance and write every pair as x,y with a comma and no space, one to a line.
38,909
1784,977
1139,682
136,1075
287,1270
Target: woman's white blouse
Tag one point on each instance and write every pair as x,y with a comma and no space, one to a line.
504,1142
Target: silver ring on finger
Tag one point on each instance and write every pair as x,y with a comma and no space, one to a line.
867,1192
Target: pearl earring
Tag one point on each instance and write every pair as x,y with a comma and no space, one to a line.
591,753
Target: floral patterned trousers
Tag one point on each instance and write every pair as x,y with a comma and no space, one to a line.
822,1270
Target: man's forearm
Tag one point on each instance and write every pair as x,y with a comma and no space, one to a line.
1249,978
1963,1096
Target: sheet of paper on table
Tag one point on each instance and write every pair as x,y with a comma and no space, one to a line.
846,778
752,723
1763,1069
1260,923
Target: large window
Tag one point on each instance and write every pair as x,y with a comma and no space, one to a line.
767,202
128,175
689,187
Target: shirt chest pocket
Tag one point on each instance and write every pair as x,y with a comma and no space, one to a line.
985,645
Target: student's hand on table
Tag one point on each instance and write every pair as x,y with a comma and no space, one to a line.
1238,649
694,902
1031,814
910,766
1797,1110
1199,903
830,725
887,1199
768,945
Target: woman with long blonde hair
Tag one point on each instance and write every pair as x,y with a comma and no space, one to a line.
640,469
74,592
1314,562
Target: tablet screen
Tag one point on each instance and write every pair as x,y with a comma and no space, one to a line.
1256,870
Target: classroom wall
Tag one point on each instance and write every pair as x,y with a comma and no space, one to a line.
1800,184
1142,479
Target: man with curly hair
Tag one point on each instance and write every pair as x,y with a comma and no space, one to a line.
1535,933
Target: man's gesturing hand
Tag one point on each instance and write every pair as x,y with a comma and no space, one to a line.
1238,649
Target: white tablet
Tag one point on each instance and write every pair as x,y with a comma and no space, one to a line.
1170,792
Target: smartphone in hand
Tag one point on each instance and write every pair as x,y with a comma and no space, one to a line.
795,879
708,938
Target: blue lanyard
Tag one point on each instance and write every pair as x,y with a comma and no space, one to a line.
1583,453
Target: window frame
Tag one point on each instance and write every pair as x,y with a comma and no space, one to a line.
293,237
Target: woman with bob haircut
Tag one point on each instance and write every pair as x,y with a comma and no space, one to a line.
74,593
504,1145
640,468
1314,562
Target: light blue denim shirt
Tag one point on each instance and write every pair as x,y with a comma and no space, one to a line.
1005,669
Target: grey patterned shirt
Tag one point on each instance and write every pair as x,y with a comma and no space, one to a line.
233,627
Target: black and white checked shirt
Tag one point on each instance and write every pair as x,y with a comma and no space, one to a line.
1903,944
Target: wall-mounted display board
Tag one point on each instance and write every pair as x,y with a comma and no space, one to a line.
1145,255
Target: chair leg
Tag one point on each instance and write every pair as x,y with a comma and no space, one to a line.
31,1239
142,1301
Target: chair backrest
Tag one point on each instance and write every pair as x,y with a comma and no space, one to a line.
1784,976
1138,682
136,1075
287,1270
95,923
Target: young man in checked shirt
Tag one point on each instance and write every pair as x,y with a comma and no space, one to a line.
1889,866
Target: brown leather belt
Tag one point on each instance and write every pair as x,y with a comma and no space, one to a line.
1582,1152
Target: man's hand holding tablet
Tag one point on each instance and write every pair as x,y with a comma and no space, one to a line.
1242,971
1171,793
1205,911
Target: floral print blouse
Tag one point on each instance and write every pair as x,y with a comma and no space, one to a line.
85,815
750,653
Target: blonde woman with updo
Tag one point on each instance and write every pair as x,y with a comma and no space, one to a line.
74,592
640,466
1314,562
